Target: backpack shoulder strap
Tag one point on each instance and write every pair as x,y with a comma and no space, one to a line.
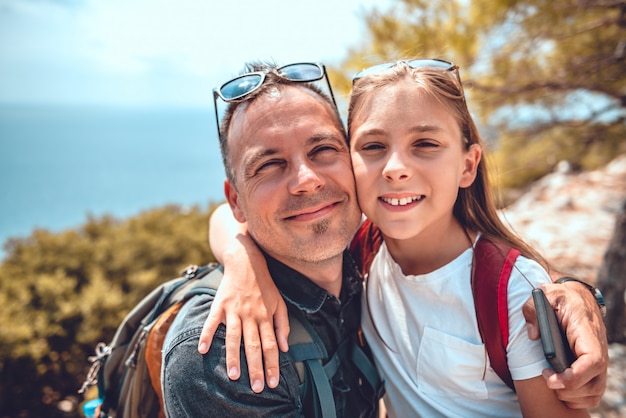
366,366
492,266
302,343
207,281
308,355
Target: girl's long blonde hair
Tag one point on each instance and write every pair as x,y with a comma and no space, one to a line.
474,208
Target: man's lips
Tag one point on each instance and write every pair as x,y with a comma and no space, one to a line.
312,213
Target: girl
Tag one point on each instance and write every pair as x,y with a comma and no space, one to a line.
421,179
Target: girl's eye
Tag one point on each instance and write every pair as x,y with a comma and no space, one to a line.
426,144
372,146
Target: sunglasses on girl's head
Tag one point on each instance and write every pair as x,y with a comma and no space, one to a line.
416,63
239,88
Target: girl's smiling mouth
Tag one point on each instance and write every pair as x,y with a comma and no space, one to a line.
401,201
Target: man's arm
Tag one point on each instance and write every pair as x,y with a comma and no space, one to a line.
582,384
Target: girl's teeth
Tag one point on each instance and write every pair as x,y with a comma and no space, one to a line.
402,201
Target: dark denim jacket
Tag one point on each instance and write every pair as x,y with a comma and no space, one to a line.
197,386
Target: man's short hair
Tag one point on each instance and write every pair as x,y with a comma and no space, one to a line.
272,81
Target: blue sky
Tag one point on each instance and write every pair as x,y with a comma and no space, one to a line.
160,52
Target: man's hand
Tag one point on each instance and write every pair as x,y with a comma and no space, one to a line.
582,384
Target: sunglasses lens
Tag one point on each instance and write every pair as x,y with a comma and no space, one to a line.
373,70
301,72
418,63
241,86
423,63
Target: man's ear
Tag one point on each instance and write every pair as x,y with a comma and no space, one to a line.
232,197
472,159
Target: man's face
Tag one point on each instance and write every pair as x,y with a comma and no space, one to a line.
295,186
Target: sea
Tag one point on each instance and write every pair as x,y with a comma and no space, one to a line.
61,164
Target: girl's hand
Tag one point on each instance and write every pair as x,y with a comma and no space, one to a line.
261,315
247,302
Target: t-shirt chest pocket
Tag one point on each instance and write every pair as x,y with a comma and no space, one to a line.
448,365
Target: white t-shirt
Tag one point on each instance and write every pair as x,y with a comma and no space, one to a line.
431,355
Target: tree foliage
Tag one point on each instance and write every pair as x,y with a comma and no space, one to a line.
548,76
61,293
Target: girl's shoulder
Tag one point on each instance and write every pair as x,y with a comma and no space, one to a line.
530,271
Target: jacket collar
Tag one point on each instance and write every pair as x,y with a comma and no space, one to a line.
305,294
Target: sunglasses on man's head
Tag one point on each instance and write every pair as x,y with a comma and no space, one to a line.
241,87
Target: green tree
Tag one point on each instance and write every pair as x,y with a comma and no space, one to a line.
61,293
548,77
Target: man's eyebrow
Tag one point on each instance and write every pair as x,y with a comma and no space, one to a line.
251,161
322,137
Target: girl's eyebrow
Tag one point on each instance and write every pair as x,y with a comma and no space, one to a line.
421,128
425,128
373,132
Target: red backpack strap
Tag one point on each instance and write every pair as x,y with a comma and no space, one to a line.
493,263
365,245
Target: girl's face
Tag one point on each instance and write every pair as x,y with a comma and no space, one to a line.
409,160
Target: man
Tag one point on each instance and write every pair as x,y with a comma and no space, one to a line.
290,178
291,181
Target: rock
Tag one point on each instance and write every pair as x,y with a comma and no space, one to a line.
570,217
613,402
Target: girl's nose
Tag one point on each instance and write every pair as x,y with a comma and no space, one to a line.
395,169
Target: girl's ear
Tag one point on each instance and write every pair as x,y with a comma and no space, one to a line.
472,159
232,197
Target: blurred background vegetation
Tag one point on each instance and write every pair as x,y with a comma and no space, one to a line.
545,78
62,293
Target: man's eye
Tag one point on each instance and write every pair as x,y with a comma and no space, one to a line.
268,165
324,148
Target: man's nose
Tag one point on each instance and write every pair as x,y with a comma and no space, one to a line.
306,179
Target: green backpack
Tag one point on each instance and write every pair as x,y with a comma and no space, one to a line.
127,370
